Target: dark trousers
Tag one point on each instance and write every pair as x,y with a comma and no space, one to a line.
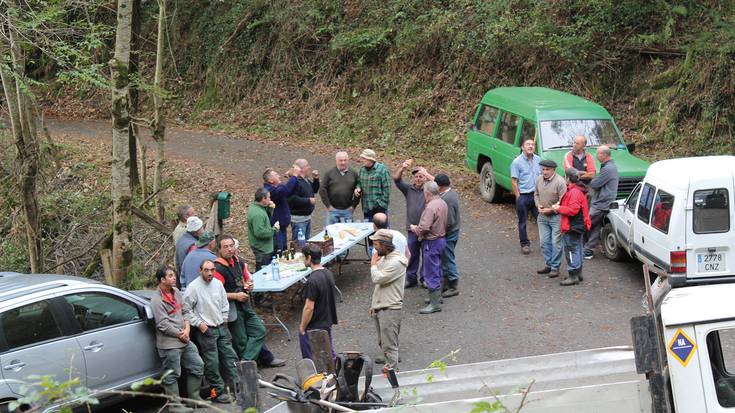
414,247
306,346
525,205
280,239
216,348
248,332
262,259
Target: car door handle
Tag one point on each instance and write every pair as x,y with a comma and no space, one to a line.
94,347
14,365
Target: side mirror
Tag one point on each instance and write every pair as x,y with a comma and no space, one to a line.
471,126
631,147
149,313
614,205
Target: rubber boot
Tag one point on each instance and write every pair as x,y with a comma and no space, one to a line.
572,279
434,306
428,300
193,389
174,405
452,289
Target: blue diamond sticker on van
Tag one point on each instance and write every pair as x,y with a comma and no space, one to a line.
682,347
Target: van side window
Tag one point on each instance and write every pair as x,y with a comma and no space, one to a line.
645,202
508,128
486,120
528,131
29,324
662,211
711,211
721,349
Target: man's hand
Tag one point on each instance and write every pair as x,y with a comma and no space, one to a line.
406,164
241,297
302,331
413,229
203,328
374,258
555,207
357,192
312,200
315,174
330,208
351,209
371,312
184,336
277,226
272,205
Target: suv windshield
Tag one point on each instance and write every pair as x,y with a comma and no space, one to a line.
558,134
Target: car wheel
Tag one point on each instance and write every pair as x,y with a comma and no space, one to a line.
610,245
489,190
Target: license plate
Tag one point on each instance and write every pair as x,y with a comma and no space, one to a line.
711,262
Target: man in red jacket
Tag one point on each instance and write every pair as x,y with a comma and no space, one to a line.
575,221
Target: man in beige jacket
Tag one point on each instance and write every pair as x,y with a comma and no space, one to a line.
388,273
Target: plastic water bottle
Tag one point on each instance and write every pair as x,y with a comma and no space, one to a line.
274,269
300,237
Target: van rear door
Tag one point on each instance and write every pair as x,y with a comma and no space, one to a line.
710,238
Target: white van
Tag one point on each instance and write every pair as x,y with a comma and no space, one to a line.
678,219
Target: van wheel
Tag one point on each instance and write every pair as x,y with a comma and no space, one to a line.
489,190
610,245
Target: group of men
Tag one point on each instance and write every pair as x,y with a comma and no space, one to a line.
569,211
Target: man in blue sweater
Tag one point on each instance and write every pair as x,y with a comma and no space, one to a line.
302,201
279,195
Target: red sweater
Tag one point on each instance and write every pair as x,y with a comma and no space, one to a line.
573,202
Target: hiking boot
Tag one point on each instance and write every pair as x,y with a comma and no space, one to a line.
452,290
544,270
276,362
434,305
223,398
379,360
526,249
553,273
410,284
589,254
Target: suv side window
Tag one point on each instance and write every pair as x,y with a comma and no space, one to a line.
645,202
98,310
528,131
721,349
711,211
487,119
29,324
508,128
662,211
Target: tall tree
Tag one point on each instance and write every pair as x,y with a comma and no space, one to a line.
23,125
159,125
133,69
122,253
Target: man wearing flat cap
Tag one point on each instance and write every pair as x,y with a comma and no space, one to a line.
550,187
414,193
373,185
388,273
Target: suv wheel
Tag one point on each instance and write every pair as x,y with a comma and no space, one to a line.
489,190
610,244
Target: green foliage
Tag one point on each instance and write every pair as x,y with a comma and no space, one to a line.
44,391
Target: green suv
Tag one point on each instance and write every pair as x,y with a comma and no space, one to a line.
507,116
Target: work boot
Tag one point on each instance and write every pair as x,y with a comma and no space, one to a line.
428,300
194,388
174,405
434,306
572,279
452,290
525,249
553,273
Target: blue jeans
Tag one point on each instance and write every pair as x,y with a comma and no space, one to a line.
414,247
338,215
549,234
449,261
525,205
573,250
304,226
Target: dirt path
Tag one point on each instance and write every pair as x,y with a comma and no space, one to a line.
505,309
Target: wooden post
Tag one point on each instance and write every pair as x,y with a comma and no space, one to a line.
321,351
247,372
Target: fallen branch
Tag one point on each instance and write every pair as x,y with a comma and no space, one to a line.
239,29
76,257
150,221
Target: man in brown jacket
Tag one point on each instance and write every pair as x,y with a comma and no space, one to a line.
173,341
388,273
431,230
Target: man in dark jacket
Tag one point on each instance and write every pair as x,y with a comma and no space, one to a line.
173,340
302,201
575,221
605,187
279,195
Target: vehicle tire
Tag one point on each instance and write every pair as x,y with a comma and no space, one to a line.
610,245
489,189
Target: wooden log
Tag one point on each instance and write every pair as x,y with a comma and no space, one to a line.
150,221
106,259
321,351
247,396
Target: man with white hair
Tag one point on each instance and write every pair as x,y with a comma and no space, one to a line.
182,213
431,230
337,190
301,202
185,244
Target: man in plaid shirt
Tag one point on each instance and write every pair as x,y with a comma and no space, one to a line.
373,185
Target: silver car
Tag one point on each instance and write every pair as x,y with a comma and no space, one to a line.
72,327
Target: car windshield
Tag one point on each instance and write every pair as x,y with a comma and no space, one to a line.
559,134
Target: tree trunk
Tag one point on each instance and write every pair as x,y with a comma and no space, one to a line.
143,163
133,92
122,253
23,124
159,126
